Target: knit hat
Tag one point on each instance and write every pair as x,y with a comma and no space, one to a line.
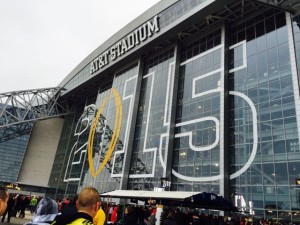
46,210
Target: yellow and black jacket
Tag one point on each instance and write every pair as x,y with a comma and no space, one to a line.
78,218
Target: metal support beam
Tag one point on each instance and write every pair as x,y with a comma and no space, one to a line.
30,105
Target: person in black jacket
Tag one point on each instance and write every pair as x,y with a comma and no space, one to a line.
24,204
131,217
9,209
180,217
70,208
170,219
18,202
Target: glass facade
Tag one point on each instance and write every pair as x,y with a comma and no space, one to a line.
147,164
116,124
57,178
263,126
296,32
197,149
214,111
95,141
13,143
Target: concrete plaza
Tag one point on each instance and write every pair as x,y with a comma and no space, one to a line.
19,221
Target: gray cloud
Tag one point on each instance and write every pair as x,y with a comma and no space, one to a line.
42,41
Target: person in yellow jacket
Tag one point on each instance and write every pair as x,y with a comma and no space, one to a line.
100,217
88,204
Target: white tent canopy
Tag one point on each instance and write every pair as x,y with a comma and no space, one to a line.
139,194
190,199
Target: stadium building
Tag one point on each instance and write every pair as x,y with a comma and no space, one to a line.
203,94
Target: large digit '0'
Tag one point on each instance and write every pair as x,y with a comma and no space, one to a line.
115,135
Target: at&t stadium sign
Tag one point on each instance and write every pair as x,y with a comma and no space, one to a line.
139,35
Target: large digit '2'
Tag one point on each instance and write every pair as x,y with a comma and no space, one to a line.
115,134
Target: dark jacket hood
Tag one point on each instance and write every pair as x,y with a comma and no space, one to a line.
45,212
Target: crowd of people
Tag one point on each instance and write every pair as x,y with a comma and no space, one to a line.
17,204
86,209
45,210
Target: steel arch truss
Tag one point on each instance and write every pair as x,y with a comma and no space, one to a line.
292,6
30,105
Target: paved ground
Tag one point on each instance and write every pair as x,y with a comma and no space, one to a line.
19,221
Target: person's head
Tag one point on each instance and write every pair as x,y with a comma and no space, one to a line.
74,199
171,215
3,199
195,215
88,201
129,210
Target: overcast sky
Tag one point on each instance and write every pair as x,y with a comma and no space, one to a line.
41,41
